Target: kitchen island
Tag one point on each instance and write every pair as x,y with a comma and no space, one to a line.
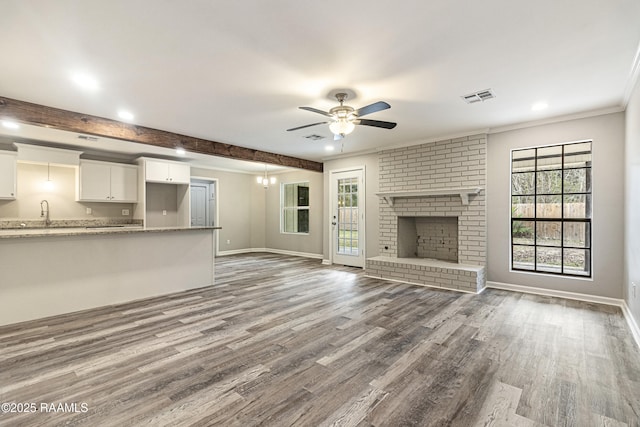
52,271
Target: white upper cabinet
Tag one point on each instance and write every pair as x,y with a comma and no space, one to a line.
107,182
167,172
7,175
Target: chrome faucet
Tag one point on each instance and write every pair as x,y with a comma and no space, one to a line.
45,213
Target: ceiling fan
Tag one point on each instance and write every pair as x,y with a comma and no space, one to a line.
344,118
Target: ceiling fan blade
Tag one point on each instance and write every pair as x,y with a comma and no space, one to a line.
375,123
306,126
315,110
372,108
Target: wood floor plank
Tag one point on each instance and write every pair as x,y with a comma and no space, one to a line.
287,341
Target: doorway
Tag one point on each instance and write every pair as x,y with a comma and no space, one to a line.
347,217
203,203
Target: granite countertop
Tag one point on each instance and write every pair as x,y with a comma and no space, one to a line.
14,233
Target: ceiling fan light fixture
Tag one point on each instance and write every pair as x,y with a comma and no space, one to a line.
342,127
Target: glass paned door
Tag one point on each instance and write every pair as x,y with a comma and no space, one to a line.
346,221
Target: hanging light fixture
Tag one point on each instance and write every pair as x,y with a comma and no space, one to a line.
265,180
48,184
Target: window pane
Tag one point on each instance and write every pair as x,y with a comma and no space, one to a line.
522,183
288,221
577,206
576,234
549,158
576,181
523,160
303,195
549,206
293,197
576,261
522,207
522,232
549,259
303,221
548,233
577,155
523,257
549,182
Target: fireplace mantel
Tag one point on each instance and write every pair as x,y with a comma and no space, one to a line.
464,194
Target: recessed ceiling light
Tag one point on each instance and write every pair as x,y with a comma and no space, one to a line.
180,151
10,125
329,147
539,106
85,81
125,115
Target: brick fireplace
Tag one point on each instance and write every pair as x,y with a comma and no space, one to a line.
432,215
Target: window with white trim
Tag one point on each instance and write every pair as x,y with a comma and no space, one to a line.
294,207
551,209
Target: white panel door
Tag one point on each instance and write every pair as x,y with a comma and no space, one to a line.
347,217
198,205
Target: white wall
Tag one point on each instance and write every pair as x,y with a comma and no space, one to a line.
372,203
236,206
249,213
607,133
632,199
302,243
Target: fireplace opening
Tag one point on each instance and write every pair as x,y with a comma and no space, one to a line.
433,237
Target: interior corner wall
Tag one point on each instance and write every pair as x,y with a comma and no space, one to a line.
235,207
258,215
310,243
372,203
607,133
632,203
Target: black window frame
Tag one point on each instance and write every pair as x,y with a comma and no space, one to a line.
588,195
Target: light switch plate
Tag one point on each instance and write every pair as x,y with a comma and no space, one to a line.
88,211
125,212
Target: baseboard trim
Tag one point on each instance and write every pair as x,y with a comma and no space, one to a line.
234,252
269,250
553,293
293,253
326,262
633,325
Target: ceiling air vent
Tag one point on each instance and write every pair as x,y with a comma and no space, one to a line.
479,96
87,138
314,137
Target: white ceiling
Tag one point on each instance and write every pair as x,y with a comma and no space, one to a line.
236,71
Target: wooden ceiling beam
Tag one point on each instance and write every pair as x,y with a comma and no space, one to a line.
40,115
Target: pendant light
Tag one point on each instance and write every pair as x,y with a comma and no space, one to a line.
48,184
265,180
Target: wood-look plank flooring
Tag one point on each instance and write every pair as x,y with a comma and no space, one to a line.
285,341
